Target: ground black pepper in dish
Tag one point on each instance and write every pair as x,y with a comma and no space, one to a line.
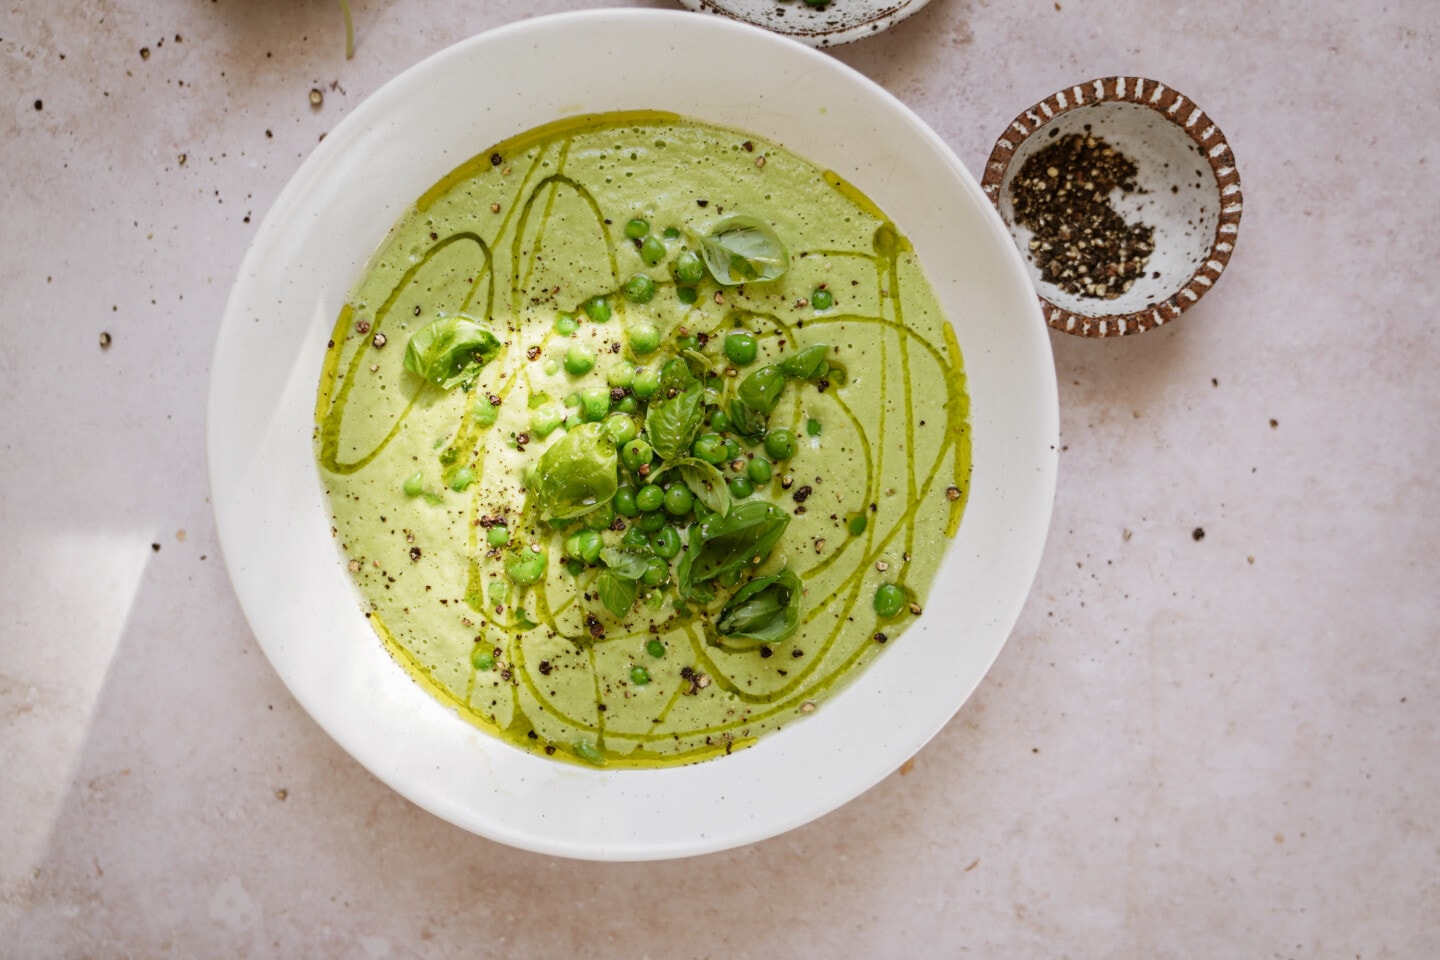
1081,244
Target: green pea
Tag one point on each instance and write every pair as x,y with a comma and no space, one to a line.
689,268
686,294
740,348
703,592
544,419
890,601
566,324
552,367
822,299
678,499
672,233
597,309
635,537
657,571
759,471
666,542
461,479
780,444
719,422
740,488
646,382
485,413
586,751
481,659
579,360
652,250
585,545
526,567
636,453
639,289
498,535
655,648
414,485
627,404
687,342
636,228
858,524
572,399
653,521
639,676
709,447
812,427
643,337
624,501
621,428
621,374
594,403
574,567
601,517
649,498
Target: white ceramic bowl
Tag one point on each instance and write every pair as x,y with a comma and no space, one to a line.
310,250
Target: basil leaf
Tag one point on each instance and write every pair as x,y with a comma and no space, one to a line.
745,419
744,249
675,374
673,423
450,350
761,390
700,365
577,474
736,542
626,562
808,364
707,483
765,610
617,593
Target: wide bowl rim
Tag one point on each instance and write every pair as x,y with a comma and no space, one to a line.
1183,113
243,428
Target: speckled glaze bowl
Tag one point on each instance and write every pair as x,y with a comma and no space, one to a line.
839,21
1188,190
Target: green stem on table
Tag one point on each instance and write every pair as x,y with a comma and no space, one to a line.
349,30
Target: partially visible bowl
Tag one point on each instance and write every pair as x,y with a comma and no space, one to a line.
314,243
836,22
1187,190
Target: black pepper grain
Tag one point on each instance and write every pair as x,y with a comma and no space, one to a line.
1081,244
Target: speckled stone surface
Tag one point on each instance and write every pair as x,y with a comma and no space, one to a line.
1213,733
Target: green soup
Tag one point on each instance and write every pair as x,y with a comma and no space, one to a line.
641,437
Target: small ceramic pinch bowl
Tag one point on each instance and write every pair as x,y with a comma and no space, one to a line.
1185,188
836,22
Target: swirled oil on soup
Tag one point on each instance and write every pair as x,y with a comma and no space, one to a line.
641,437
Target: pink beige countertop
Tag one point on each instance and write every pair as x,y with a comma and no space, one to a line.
1194,744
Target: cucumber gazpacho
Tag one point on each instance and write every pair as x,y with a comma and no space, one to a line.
640,436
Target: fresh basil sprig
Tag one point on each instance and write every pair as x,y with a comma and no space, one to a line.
743,249
673,423
807,364
765,610
626,562
616,592
729,544
703,478
450,350
577,474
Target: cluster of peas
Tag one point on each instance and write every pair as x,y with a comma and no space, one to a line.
657,513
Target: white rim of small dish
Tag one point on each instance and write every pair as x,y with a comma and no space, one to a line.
842,21
274,526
